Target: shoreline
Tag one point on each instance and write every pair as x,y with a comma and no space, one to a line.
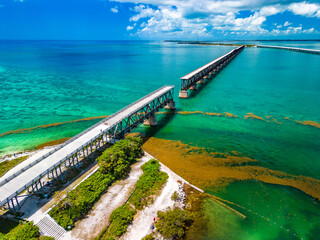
141,223
258,169
92,225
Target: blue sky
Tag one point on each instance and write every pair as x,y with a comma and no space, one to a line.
159,19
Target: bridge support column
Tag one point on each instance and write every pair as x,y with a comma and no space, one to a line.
194,87
171,106
183,94
201,81
151,121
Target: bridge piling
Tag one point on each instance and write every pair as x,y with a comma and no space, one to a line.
170,106
201,81
194,87
151,121
183,94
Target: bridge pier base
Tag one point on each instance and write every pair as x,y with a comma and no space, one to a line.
194,87
151,121
170,106
201,81
183,94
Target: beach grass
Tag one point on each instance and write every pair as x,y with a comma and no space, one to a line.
5,166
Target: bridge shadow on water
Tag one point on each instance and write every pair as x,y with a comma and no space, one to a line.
193,93
162,120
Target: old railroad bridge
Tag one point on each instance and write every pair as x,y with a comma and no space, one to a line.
69,154
198,76
27,176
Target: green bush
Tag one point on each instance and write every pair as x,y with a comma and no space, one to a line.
6,225
120,219
117,159
150,181
148,237
173,223
46,238
175,196
114,164
80,200
5,166
26,231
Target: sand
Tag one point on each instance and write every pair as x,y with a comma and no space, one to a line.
98,217
140,226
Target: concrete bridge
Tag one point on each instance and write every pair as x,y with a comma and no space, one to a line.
190,80
313,51
84,145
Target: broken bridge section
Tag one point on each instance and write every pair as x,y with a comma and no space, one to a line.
199,75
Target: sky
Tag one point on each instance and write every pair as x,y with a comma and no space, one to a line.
159,19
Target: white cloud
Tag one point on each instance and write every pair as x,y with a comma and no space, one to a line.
129,28
114,10
287,24
311,30
271,10
143,12
184,18
305,9
293,31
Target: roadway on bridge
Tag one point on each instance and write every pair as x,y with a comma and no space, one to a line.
190,75
314,51
21,181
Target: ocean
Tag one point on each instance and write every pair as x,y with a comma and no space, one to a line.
273,96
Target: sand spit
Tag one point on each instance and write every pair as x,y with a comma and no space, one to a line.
309,123
140,226
273,119
210,169
251,115
306,122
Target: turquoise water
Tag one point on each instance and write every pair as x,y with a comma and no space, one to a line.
47,82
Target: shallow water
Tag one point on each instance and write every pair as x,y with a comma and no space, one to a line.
48,82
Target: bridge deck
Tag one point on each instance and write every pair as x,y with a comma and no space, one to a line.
190,75
18,183
314,51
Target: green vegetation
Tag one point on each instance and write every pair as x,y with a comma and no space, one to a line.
5,166
46,238
148,237
173,223
23,231
6,225
117,159
121,217
79,201
148,184
175,196
114,164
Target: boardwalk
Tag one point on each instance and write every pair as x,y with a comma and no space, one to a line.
312,51
115,125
